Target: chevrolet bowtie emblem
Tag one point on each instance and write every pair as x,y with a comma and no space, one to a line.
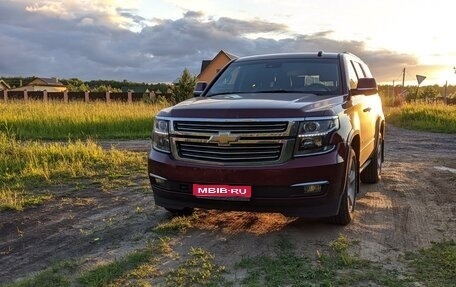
223,138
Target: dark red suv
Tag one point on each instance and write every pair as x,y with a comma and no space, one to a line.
288,133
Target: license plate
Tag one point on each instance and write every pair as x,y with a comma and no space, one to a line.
222,192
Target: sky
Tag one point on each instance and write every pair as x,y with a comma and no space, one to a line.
153,41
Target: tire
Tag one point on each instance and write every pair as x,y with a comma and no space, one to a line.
372,173
181,212
347,203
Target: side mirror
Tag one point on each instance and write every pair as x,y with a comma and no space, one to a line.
199,88
366,86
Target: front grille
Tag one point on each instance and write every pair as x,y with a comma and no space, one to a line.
233,127
254,152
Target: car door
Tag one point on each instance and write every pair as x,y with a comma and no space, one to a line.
367,116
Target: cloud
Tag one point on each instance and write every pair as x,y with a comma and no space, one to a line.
49,8
94,40
197,39
193,14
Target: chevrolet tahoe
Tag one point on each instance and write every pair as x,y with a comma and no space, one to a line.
290,133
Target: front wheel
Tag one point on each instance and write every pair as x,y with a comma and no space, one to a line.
372,173
347,204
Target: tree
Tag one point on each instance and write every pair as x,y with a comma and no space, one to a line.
430,92
184,88
76,85
104,88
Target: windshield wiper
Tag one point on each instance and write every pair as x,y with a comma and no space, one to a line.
292,91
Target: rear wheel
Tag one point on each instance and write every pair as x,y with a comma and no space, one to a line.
347,204
372,173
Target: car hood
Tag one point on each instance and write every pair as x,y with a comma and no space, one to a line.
271,105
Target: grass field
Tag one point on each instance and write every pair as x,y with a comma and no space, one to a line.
27,165
425,117
61,121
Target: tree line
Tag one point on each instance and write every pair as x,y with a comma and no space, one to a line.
396,95
183,89
78,85
174,93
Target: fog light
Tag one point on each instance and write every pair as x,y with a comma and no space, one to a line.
311,187
311,143
157,179
314,188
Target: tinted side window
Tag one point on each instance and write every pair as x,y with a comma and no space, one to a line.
359,70
366,70
353,78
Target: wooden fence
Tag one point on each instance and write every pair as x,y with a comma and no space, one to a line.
128,97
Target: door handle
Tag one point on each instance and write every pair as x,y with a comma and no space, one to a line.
367,110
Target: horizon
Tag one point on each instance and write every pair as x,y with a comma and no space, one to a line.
397,83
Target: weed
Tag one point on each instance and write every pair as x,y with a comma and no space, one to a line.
136,265
335,267
426,117
26,165
178,224
17,199
435,266
341,255
199,269
56,275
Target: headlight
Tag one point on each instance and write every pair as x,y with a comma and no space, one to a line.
160,136
314,135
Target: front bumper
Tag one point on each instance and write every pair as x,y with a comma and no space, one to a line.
275,188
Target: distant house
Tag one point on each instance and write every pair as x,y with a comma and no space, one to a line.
209,68
41,84
4,85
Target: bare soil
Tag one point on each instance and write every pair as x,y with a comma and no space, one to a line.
412,206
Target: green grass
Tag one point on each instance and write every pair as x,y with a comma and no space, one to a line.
26,165
334,267
56,276
131,270
137,268
115,271
424,117
178,224
61,121
44,279
435,266
198,270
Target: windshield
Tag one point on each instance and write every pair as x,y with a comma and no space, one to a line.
317,76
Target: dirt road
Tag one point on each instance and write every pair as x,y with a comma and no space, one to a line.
413,205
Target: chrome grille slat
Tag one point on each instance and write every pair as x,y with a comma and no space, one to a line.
233,141
232,147
241,127
239,159
233,153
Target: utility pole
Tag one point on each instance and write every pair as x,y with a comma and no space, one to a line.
403,78
445,94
